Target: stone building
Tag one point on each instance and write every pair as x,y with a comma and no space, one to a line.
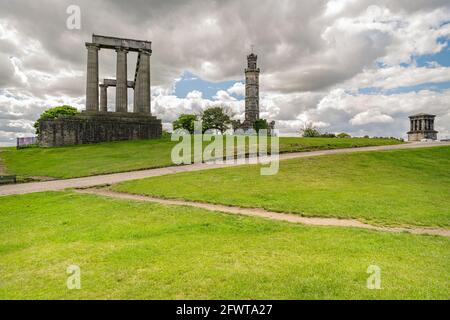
96,124
422,127
251,95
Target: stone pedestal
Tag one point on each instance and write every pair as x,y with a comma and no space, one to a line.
98,127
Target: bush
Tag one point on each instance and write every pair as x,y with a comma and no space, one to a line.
55,113
343,135
165,134
309,131
260,124
328,135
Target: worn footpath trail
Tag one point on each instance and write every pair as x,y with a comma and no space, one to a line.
113,178
293,218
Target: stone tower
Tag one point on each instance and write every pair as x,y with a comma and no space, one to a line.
251,92
422,127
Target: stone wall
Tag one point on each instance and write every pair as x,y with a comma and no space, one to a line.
98,127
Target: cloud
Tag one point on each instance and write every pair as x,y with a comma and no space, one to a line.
370,116
237,89
314,56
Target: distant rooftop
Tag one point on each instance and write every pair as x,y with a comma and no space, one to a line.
423,114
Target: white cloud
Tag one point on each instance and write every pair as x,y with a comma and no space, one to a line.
370,116
195,94
398,76
223,96
238,89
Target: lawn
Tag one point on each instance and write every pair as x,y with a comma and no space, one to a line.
86,160
401,187
133,250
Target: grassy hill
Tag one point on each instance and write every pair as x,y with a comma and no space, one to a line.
86,160
137,250
401,187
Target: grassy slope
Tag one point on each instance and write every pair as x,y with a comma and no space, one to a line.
77,161
142,250
391,187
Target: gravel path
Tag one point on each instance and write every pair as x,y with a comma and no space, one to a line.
269,215
91,181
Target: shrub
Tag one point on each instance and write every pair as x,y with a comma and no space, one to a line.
328,135
343,135
260,124
309,131
55,113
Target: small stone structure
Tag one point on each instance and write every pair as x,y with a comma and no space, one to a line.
96,124
422,127
251,96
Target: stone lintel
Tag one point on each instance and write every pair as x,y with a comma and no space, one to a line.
112,116
113,83
114,42
90,45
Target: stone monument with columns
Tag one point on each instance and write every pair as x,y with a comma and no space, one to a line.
96,123
422,127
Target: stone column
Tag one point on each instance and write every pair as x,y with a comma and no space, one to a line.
121,79
144,105
92,78
103,98
135,96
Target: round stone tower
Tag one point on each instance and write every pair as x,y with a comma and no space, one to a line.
251,91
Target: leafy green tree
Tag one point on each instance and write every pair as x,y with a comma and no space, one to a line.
343,135
55,113
260,124
186,122
216,118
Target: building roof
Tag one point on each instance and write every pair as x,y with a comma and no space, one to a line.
423,114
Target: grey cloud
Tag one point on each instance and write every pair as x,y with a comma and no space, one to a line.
288,36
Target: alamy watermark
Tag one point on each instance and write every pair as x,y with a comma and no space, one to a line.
73,21
74,280
374,280
249,147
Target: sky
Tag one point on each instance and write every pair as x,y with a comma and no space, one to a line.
354,66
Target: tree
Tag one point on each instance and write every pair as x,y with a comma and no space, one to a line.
260,124
55,113
309,131
186,122
343,135
216,118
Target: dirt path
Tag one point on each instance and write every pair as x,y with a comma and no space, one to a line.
133,175
269,214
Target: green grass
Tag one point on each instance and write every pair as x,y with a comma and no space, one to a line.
86,160
133,250
401,187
